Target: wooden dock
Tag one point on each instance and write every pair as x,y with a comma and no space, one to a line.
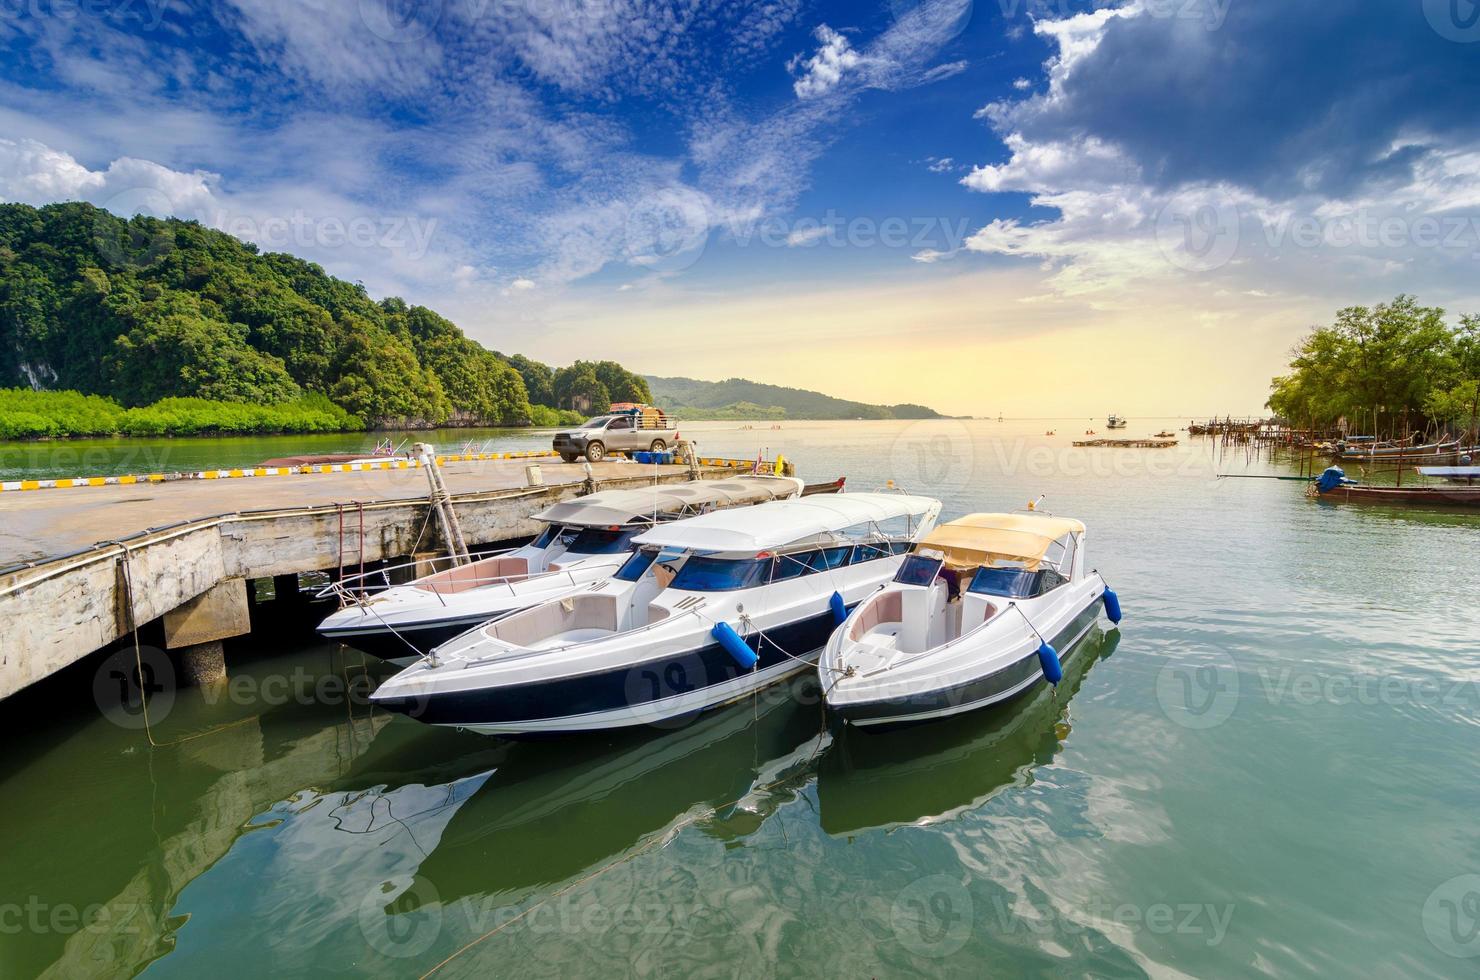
1127,443
80,566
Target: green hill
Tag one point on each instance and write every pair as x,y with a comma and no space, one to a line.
737,398
143,310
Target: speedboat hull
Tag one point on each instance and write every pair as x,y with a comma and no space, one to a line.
661,690
999,684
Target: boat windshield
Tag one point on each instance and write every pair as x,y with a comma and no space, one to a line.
603,540
1014,583
700,574
633,568
918,570
547,536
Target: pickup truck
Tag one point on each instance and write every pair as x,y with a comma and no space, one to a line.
619,433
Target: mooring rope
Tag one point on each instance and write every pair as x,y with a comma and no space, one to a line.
133,620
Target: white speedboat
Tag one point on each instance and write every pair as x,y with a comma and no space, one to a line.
982,610
708,610
584,540
1115,422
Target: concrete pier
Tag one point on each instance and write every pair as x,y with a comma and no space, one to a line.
79,567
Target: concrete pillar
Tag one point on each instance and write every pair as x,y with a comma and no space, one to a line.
203,663
198,627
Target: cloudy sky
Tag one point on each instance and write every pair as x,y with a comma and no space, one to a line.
1032,208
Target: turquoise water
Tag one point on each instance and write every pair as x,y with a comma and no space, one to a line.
1271,768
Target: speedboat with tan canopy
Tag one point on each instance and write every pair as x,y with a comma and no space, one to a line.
582,541
981,610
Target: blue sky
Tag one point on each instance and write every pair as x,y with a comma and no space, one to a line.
1142,204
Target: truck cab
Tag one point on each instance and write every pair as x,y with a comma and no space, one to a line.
637,429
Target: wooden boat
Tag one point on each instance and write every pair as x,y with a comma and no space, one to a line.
1452,474
1395,452
1333,484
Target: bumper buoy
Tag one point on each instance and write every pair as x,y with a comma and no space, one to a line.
737,648
1112,606
839,609
1048,659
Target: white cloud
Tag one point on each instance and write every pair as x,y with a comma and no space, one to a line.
806,235
823,71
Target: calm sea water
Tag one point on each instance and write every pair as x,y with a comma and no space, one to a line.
1271,768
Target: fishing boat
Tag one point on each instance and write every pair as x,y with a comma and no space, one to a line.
1333,484
583,540
708,610
1395,451
983,609
1115,422
1467,475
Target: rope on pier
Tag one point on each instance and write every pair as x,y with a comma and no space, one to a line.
128,592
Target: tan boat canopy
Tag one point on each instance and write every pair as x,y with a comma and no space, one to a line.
611,508
986,539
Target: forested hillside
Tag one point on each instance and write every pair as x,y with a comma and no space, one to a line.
144,309
737,398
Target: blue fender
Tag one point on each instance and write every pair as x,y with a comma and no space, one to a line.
1112,605
1048,659
737,648
839,609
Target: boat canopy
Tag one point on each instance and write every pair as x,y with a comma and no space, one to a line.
609,508
755,529
1452,471
983,539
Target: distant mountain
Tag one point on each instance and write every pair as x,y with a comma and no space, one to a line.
737,398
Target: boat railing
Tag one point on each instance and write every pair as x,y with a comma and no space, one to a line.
356,588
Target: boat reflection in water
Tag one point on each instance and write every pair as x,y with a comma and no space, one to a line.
549,811
930,773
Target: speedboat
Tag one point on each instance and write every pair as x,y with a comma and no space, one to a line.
983,609
1115,422
708,610
584,540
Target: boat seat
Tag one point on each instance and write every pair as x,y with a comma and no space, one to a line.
552,619
474,575
885,608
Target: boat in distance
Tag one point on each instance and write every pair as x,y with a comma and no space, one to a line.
981,610
707,610
584,540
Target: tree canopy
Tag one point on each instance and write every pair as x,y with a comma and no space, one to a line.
144,309
1398,364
